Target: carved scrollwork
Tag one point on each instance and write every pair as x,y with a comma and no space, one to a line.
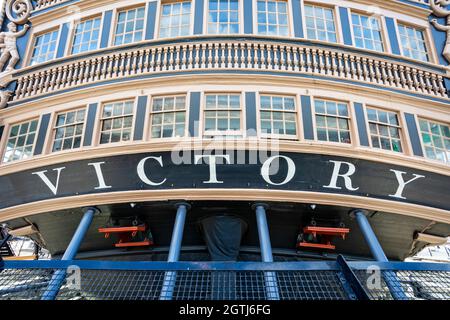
18,11
440,10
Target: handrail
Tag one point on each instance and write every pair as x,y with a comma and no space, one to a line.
223,266
230,54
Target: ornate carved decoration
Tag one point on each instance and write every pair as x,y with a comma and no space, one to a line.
17,12
439,10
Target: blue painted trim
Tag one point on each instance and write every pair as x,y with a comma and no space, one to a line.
199,266
416,4
393,39
250,113
414,134
345,24
297,16
42,133
90,123
63,41
151,20
146,44
407,266
198,16
194,114
248,16
139,122
308,128
361,123
236,72
106,29
440,39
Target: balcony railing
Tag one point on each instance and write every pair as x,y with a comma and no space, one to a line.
221,56
41,4
332,280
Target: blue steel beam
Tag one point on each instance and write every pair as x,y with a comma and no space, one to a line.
390,277
174,252
70,253
270,278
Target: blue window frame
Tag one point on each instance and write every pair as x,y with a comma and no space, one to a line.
223,16
367,32
86,37
44,47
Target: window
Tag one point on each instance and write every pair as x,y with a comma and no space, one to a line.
384,130
222,114
272,17
44,47
278,116
435,139
223,17
175,19
332,121
413,43
69,130
367,32
130,26
116,122
168,117
320,23
21,141
86,36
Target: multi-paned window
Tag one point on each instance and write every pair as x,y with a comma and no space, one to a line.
168,117
272,17
413,43
44,47
69,130
384,129
320,23
367,32
435,140
278,116
21,140
130,26
86,37
223,16
222,114
117,122
175,19
332,121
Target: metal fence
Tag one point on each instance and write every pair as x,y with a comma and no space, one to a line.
337,280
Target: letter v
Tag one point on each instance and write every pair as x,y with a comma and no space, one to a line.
50,185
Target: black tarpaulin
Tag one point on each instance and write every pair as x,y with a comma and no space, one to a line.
223,234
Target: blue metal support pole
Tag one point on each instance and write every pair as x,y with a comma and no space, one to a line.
390,277
174,251
70,253
270,278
